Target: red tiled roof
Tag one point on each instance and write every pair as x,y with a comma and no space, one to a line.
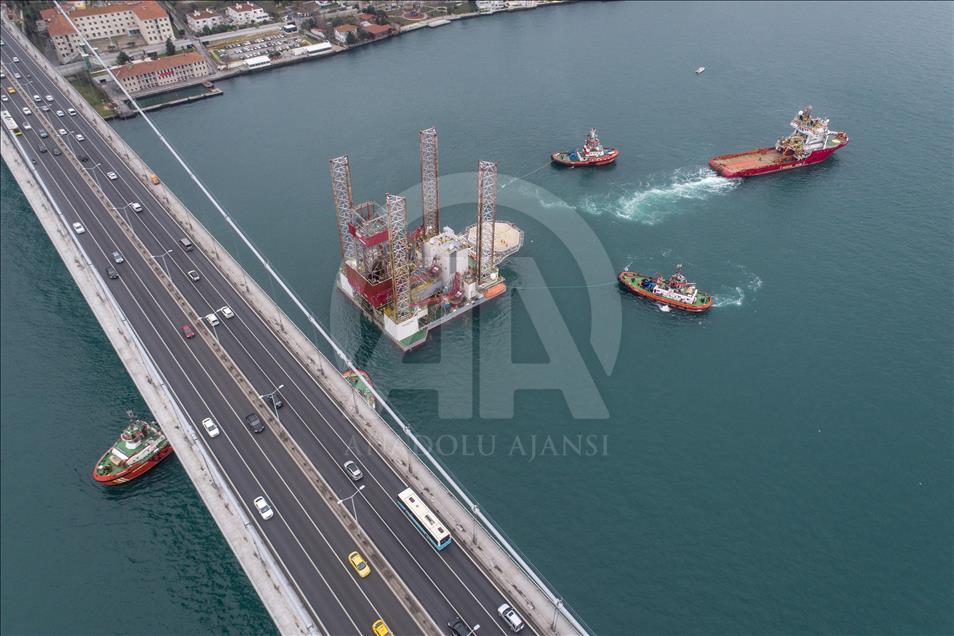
204,14
47,14
377,29
59,25
344,28
149,10
243,7
152,66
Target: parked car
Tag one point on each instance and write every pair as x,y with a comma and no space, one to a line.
263,508
210,427
254,422
353,471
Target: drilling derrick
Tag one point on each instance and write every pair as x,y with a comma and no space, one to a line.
430,221
341,189
400,265
409,284
486,217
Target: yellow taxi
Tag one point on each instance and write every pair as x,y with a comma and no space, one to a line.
11,90
359,564
380,628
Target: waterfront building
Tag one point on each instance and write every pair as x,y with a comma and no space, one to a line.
341,32
145,19
376,31
242,13
165,71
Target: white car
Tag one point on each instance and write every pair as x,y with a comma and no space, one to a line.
210,427
353,471
44,108
37,99
80,137
71,112
78,228
60,113
511,618
49,98
213,320
27,111
136,207
27,126
17,75
62,131
16,59
112,176
263,508
226,312
4,98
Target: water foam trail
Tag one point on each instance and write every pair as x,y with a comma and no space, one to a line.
650,205
737,296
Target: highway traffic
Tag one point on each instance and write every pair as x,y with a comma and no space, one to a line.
304,534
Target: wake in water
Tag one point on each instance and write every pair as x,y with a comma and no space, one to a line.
650,204
736,296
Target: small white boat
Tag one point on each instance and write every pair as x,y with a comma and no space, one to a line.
700,70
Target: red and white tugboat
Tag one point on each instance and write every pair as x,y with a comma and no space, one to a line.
591,154
139,448
676,291
811,142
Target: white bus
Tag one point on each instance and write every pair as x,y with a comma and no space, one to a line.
9,123
424,520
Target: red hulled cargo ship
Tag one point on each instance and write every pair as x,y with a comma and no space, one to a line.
810,143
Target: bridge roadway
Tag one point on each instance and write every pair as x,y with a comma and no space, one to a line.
306,538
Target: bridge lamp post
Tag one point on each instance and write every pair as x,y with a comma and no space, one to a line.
271,398
350,498
556,607
164,264
473,631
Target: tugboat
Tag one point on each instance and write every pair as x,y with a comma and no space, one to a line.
811,142
591,154
361,382
676,291
141,446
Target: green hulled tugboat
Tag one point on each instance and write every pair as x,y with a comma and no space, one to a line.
675,291
141,446
361,382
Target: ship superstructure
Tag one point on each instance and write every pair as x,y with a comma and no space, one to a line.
409,283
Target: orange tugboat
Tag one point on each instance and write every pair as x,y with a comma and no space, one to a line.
676,291
140,447
591,154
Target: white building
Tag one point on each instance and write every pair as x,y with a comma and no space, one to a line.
242,13
145,19
199,20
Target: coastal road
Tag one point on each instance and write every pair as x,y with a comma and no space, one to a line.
305,536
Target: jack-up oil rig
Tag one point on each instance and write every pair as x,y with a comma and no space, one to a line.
409,283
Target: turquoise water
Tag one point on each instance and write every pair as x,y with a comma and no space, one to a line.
782,464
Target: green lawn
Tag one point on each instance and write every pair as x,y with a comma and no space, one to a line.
92,94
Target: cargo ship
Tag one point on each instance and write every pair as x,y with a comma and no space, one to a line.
361,382
810,143
139,448
676,291
591,154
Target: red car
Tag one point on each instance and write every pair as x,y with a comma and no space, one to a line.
187,331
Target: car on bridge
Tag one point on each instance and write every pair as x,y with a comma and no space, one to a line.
118,258
60,113
49,98
78,228
511,618
56,152
254,422
263,508
187,331
212,319
459,628
210,427
44,134
194,276
80,137
359,564
135,207
111,272
26,111
353,471
226,312
44,108
112,175
71,112
380,628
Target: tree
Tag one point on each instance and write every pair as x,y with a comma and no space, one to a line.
122,58
351,39
308,24
170,47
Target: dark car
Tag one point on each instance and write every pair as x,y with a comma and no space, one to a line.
111,272
458,627
275,399
253,422
44,134
43,150
57,152
84,158
187,331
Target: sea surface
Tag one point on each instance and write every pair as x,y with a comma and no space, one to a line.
780,465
